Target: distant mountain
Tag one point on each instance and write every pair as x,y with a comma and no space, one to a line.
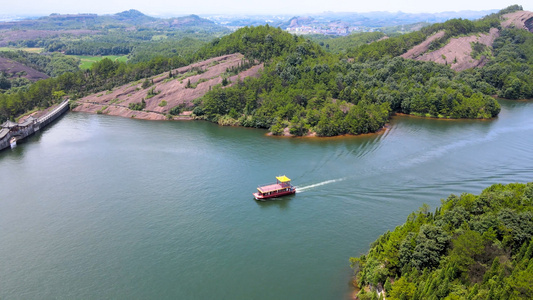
118,34
136,18
124,19
191,20
188,22
133,16
380,19
301,21
369,19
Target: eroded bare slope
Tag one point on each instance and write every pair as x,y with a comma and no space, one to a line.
457,53
170,92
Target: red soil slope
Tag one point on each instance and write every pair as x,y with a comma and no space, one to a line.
12,67
457,53
423,47
519,19
172,90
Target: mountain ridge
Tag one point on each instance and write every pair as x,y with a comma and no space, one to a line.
126,18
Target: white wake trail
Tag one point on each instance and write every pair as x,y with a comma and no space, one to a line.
308,187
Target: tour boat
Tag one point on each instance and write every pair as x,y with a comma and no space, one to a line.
282,187
13,142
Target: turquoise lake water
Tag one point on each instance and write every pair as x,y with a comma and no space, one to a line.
99,207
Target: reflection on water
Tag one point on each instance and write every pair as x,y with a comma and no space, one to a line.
282,203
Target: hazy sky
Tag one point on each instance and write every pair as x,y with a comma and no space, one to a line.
177,7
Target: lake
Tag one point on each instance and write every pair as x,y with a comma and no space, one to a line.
99,207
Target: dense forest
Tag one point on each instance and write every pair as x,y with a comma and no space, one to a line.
471,247
52,64
308,89
303,89
351,88
139,45
343,44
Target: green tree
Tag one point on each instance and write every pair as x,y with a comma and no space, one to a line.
465,249
402,289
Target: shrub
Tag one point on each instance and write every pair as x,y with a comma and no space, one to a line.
146,83
137,105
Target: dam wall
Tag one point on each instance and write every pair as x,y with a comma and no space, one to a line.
29,126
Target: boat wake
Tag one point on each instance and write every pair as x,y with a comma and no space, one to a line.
438,152
301,189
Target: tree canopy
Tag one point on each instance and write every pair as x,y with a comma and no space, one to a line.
305,89
471,247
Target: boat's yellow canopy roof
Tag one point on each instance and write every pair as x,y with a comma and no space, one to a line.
283,178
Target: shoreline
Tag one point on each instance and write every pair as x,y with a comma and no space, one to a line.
124,112
120,111
313,135
186,116
441,119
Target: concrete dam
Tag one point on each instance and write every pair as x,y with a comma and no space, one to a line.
31,125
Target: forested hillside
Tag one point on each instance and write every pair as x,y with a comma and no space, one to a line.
52,64
398,45
305,88
343,44
471,247
17,75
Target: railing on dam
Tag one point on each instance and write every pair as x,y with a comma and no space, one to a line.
30,126
44,120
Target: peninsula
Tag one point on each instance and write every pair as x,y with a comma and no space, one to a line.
455,252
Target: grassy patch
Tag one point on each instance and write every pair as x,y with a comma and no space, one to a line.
102,110
88,61
193,86
151,93
193,71
26,114
116,101
32,50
